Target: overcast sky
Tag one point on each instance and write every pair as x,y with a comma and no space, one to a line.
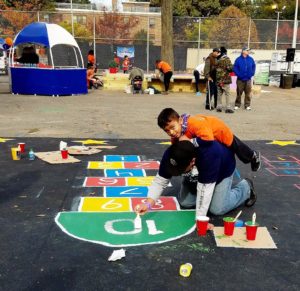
107,3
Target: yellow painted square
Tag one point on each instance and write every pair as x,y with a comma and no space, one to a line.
103,204
105,165
139,181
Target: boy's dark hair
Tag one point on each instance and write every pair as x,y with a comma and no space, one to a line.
167,115
157,61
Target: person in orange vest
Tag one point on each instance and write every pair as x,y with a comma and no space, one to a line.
166,69
91,58
125,64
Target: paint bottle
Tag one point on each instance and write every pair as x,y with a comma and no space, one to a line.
185,270
31,155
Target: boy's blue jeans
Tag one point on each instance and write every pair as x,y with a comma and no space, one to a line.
225,197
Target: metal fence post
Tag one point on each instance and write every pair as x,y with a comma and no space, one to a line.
38,16
249,32
199,37
94,36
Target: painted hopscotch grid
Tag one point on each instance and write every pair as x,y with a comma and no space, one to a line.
283,165
284,172
285,158
125,191
124,173
102,204
129,181
121,158
146,165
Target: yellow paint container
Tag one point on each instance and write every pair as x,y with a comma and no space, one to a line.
185,270
15,154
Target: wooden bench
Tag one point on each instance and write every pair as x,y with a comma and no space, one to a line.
179,83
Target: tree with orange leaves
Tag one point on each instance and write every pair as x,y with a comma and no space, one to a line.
116,27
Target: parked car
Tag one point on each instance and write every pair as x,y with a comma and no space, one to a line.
3,61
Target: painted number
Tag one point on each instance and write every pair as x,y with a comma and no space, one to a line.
109,227
111,205
107,181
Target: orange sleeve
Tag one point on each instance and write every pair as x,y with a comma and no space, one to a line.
199,127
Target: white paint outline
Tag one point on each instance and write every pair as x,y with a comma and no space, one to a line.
128,245
84,182
81,204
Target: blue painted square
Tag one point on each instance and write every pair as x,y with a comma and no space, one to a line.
118,158
125,191
124,173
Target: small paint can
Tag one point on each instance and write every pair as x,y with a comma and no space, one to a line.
185,270
15,154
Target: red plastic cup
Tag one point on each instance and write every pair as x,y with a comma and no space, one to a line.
64,154
202,222
228,225
251,230
22,147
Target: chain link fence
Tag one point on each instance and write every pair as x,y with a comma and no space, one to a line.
105,31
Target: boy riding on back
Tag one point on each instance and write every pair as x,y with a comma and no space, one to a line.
207,128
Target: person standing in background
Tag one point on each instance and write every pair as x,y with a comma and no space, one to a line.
91,58
223,80
166,69
210,75
244,68
199,72
125,64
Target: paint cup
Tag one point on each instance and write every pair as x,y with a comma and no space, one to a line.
22,147
15,154
64,153
228,225
202,222
185,270
239,223
251,230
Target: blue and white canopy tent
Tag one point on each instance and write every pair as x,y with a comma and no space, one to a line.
56,77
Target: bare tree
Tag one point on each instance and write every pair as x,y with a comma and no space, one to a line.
167,53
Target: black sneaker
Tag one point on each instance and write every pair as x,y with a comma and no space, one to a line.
229,110
256,161
251,201
219,109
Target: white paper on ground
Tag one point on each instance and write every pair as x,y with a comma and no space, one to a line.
62,145
117,255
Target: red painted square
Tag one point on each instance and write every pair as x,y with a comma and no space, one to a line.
151,165
163,203
103,181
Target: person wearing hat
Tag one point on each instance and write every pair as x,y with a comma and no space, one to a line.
207,171
223,80
210,75
244,68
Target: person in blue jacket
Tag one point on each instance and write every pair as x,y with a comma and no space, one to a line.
244,68
207,169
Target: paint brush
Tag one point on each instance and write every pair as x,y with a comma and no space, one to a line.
237,216
138,222
253,218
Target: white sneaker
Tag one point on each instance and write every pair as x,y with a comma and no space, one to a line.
248,108
236,108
